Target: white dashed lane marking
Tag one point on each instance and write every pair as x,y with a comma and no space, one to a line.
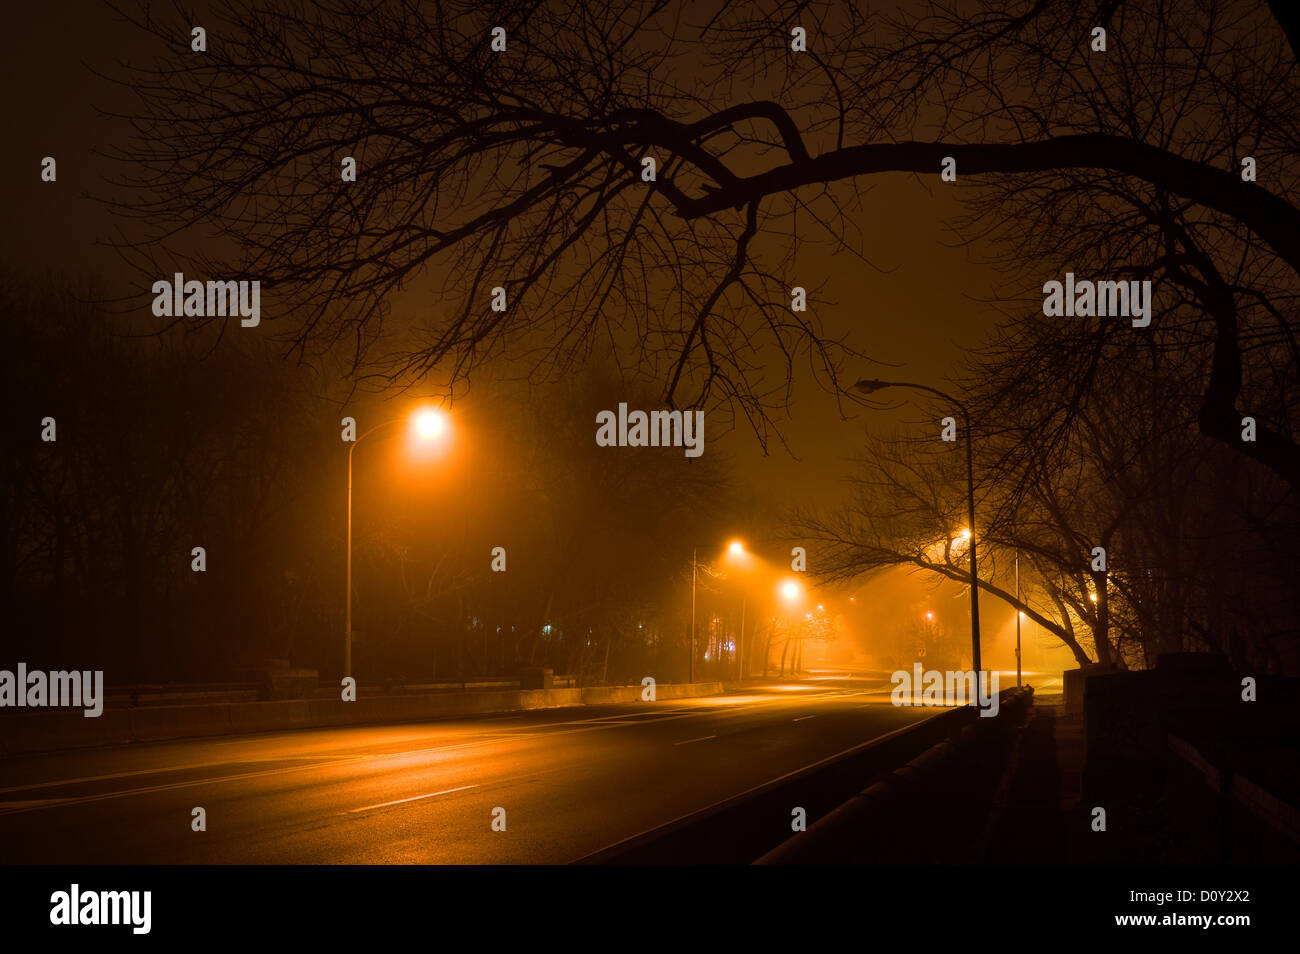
413,798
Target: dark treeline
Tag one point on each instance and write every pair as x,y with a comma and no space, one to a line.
169,442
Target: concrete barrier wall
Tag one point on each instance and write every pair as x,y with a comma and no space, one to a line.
53,729
929,811
742,828
63,728
165,722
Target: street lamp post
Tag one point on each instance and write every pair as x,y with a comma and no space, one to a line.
870,387
736,552
736,549
740,641
428,424
791,592
694,572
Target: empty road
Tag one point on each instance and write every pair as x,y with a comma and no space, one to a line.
570,781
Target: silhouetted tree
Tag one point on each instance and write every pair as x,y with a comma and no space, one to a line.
522,169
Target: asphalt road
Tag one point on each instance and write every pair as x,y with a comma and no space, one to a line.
571,781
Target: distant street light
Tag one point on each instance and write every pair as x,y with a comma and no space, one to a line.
427,425
871,387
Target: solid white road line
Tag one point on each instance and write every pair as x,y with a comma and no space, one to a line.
703,738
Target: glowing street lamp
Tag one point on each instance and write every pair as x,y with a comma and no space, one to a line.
790,591
429,424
